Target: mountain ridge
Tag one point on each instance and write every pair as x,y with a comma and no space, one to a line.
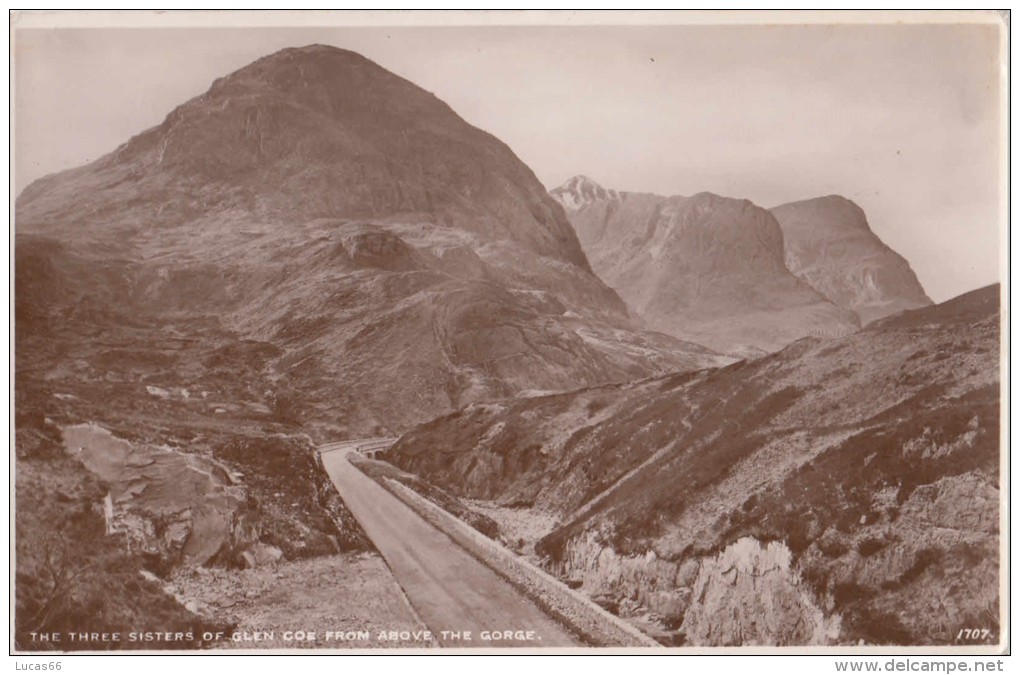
827,244
704,268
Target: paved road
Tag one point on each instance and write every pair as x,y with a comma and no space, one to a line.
450,590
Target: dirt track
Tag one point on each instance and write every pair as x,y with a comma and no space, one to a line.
450,589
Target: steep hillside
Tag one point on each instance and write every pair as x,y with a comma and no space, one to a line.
306,133
830,246
836,491
396,262
704,268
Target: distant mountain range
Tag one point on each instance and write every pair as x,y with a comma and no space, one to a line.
736,277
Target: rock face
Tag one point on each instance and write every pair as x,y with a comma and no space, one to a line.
705,268
830,246
183,508
873,458
394,262
749,595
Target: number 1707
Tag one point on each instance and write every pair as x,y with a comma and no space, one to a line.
974,634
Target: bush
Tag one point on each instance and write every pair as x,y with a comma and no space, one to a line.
286,407
870,546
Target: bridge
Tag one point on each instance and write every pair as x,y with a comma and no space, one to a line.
366,447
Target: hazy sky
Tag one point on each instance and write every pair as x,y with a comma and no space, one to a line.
904,120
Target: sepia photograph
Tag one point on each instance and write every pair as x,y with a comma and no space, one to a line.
509,332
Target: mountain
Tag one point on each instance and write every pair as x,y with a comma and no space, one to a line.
704,268
830,246
367,256
581,191
837,491
309,133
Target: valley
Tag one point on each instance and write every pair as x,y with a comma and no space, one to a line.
602,418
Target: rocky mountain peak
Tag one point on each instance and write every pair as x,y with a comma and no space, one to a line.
580,191
830,245
831,212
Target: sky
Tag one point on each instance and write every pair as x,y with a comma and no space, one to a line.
903,119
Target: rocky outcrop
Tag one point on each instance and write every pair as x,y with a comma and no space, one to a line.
261,554
829,245
183,508
749,595
633,583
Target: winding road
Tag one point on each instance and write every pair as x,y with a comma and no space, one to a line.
451,590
